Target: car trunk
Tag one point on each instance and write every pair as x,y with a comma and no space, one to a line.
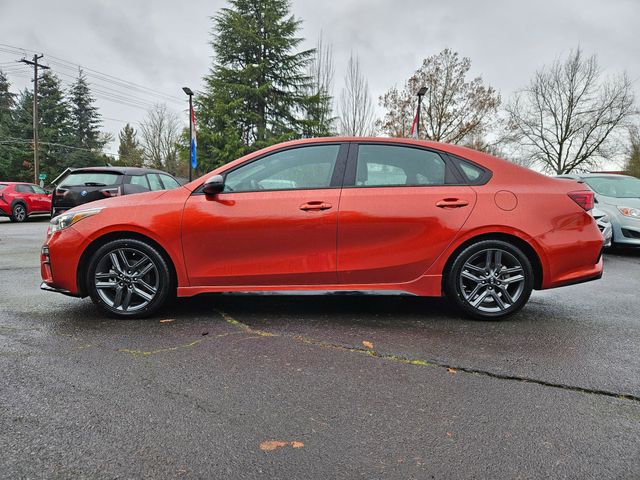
83,187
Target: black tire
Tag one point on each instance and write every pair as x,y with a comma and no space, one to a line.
471,274
156,282
19,213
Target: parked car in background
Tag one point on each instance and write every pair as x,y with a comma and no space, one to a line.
19,200
604,224
84,185
619,197
332,214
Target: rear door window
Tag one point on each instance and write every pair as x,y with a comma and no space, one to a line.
24,189
169,182
390,165
154,181
140,180
91,179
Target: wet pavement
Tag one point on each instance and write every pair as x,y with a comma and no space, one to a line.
332,386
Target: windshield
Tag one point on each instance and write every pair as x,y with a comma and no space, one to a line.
90,179
3,186
617,187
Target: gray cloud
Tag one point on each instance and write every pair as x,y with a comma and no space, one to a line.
164,44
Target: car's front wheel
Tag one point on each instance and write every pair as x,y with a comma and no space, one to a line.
128,278
489,280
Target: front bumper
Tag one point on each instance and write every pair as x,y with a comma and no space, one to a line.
59,259
627,232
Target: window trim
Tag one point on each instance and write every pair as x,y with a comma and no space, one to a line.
337,176
484,177
352,167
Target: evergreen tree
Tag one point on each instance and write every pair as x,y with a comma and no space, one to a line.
129,150
7,142
85,124
256,92
633,162
17,154
56,128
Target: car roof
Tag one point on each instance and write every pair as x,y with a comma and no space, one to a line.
119,170
15,183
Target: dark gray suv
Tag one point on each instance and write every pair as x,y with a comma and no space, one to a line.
83,185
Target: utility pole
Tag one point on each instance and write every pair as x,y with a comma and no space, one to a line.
34,63
421,93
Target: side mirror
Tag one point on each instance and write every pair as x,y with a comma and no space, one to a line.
214,185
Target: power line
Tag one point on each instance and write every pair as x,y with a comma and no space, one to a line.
100,75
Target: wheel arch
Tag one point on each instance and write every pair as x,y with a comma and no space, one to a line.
119,235
22,201
527,249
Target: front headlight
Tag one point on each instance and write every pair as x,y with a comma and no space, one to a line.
67,219
630,212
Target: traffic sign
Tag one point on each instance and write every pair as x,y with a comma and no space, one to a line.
42,176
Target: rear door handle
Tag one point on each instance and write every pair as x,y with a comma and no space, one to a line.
452,203
312,206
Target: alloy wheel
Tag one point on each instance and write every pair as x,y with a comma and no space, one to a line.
19,213
126,279
492,280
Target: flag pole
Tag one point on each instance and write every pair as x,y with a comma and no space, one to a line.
189,92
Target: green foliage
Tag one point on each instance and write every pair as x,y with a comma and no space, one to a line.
85,124
633,162
129,150
256,93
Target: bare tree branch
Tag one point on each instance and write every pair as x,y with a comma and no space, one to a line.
564,119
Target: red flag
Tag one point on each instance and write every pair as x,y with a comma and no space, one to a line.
414,130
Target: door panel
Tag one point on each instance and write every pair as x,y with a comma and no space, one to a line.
400,208
261,238
393,234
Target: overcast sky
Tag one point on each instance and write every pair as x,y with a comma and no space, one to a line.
164,45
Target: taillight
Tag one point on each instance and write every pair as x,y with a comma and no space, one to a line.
111,192
584,198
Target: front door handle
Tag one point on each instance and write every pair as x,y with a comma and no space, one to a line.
312,206
452,203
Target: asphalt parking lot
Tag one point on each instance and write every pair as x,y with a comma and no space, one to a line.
333,386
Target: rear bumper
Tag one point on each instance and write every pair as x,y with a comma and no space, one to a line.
573,254
45,286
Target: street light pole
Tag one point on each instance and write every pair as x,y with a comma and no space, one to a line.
421,93
189,92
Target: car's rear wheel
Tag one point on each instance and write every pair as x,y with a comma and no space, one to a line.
128,278
18,213
489,280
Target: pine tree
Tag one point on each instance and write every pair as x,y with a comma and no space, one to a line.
129,151
85,124
55,127
17,153
633,162
256,92
7,142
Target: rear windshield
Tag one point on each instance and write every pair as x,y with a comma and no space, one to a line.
91,179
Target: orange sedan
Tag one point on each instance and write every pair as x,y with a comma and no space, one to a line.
334,214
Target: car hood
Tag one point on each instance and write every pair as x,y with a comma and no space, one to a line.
136,199
621,202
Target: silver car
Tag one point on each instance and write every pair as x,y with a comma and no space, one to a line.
604,224
619,197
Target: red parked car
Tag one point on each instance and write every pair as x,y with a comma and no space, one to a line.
334,214
18,200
